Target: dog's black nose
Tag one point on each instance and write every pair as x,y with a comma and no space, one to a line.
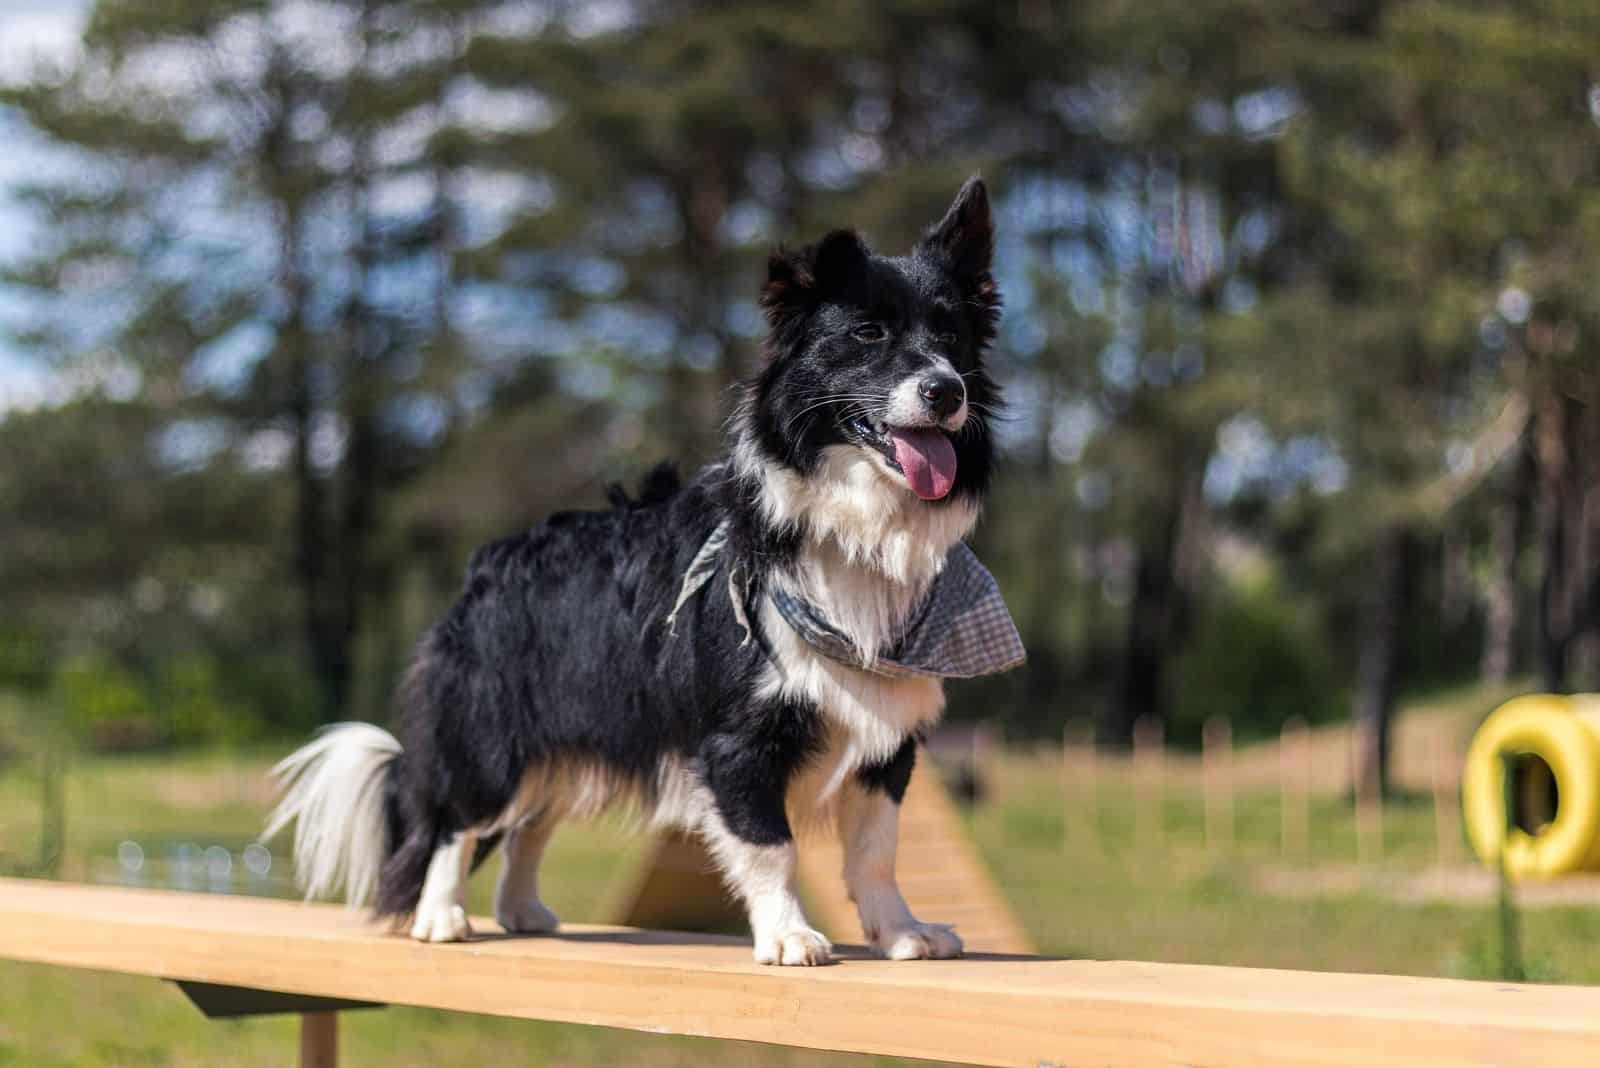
944,393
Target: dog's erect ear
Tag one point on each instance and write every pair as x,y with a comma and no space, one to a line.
798,280
962,244
964,238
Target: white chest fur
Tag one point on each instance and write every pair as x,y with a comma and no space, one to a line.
871,714
871,551
866,716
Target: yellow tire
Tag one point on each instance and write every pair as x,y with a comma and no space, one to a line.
1548,727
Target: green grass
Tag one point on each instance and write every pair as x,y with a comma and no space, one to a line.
1183,905
1118,901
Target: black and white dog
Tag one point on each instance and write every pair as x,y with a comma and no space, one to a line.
718,653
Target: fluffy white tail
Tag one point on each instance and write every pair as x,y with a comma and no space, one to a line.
333,794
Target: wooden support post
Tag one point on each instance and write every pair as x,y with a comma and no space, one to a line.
1148,767
1080,828
319,1015
1293,772
319,1040
1216,756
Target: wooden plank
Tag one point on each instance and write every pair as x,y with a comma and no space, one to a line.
984,1010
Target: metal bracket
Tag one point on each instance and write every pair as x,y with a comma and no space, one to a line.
219,1002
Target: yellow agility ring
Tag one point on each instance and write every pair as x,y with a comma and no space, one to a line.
1554,744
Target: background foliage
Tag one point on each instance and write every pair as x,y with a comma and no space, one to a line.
1299,345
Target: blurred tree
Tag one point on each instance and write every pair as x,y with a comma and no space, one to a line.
687,138
236,224
1296,308
121,558
1182,214
1424,132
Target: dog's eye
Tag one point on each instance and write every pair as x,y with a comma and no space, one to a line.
869,333
947,337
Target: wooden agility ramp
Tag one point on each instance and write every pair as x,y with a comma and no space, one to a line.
942,876
246,955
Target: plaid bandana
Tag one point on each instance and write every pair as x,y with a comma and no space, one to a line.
960,631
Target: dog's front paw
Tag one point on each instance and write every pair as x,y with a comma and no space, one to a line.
441,923
526,917
803,947
920,941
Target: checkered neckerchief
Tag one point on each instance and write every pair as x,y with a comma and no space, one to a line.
961,630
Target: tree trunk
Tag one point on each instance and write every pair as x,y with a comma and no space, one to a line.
1510,531
365,347
314,563
1051,581
1382,654
1568,434
1560,505
1583,658
696,396
1153,616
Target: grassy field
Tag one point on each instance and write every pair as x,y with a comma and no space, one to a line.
1115,901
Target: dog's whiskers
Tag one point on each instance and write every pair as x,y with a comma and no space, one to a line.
863,400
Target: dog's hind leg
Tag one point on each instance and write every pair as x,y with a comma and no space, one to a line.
516,897
441,914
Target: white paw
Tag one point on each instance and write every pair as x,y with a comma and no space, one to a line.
526,917
799,947
441,923
922,941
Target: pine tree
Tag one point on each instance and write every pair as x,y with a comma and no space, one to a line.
1437,151
242,260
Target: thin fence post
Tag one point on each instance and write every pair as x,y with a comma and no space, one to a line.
1216,757
1511,968
1446,814
1080,818
53,819
1149,740
1293,750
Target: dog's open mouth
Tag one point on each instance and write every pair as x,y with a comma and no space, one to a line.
922,454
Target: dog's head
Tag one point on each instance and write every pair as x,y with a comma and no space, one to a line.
879,359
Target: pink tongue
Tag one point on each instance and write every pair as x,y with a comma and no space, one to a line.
927,458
